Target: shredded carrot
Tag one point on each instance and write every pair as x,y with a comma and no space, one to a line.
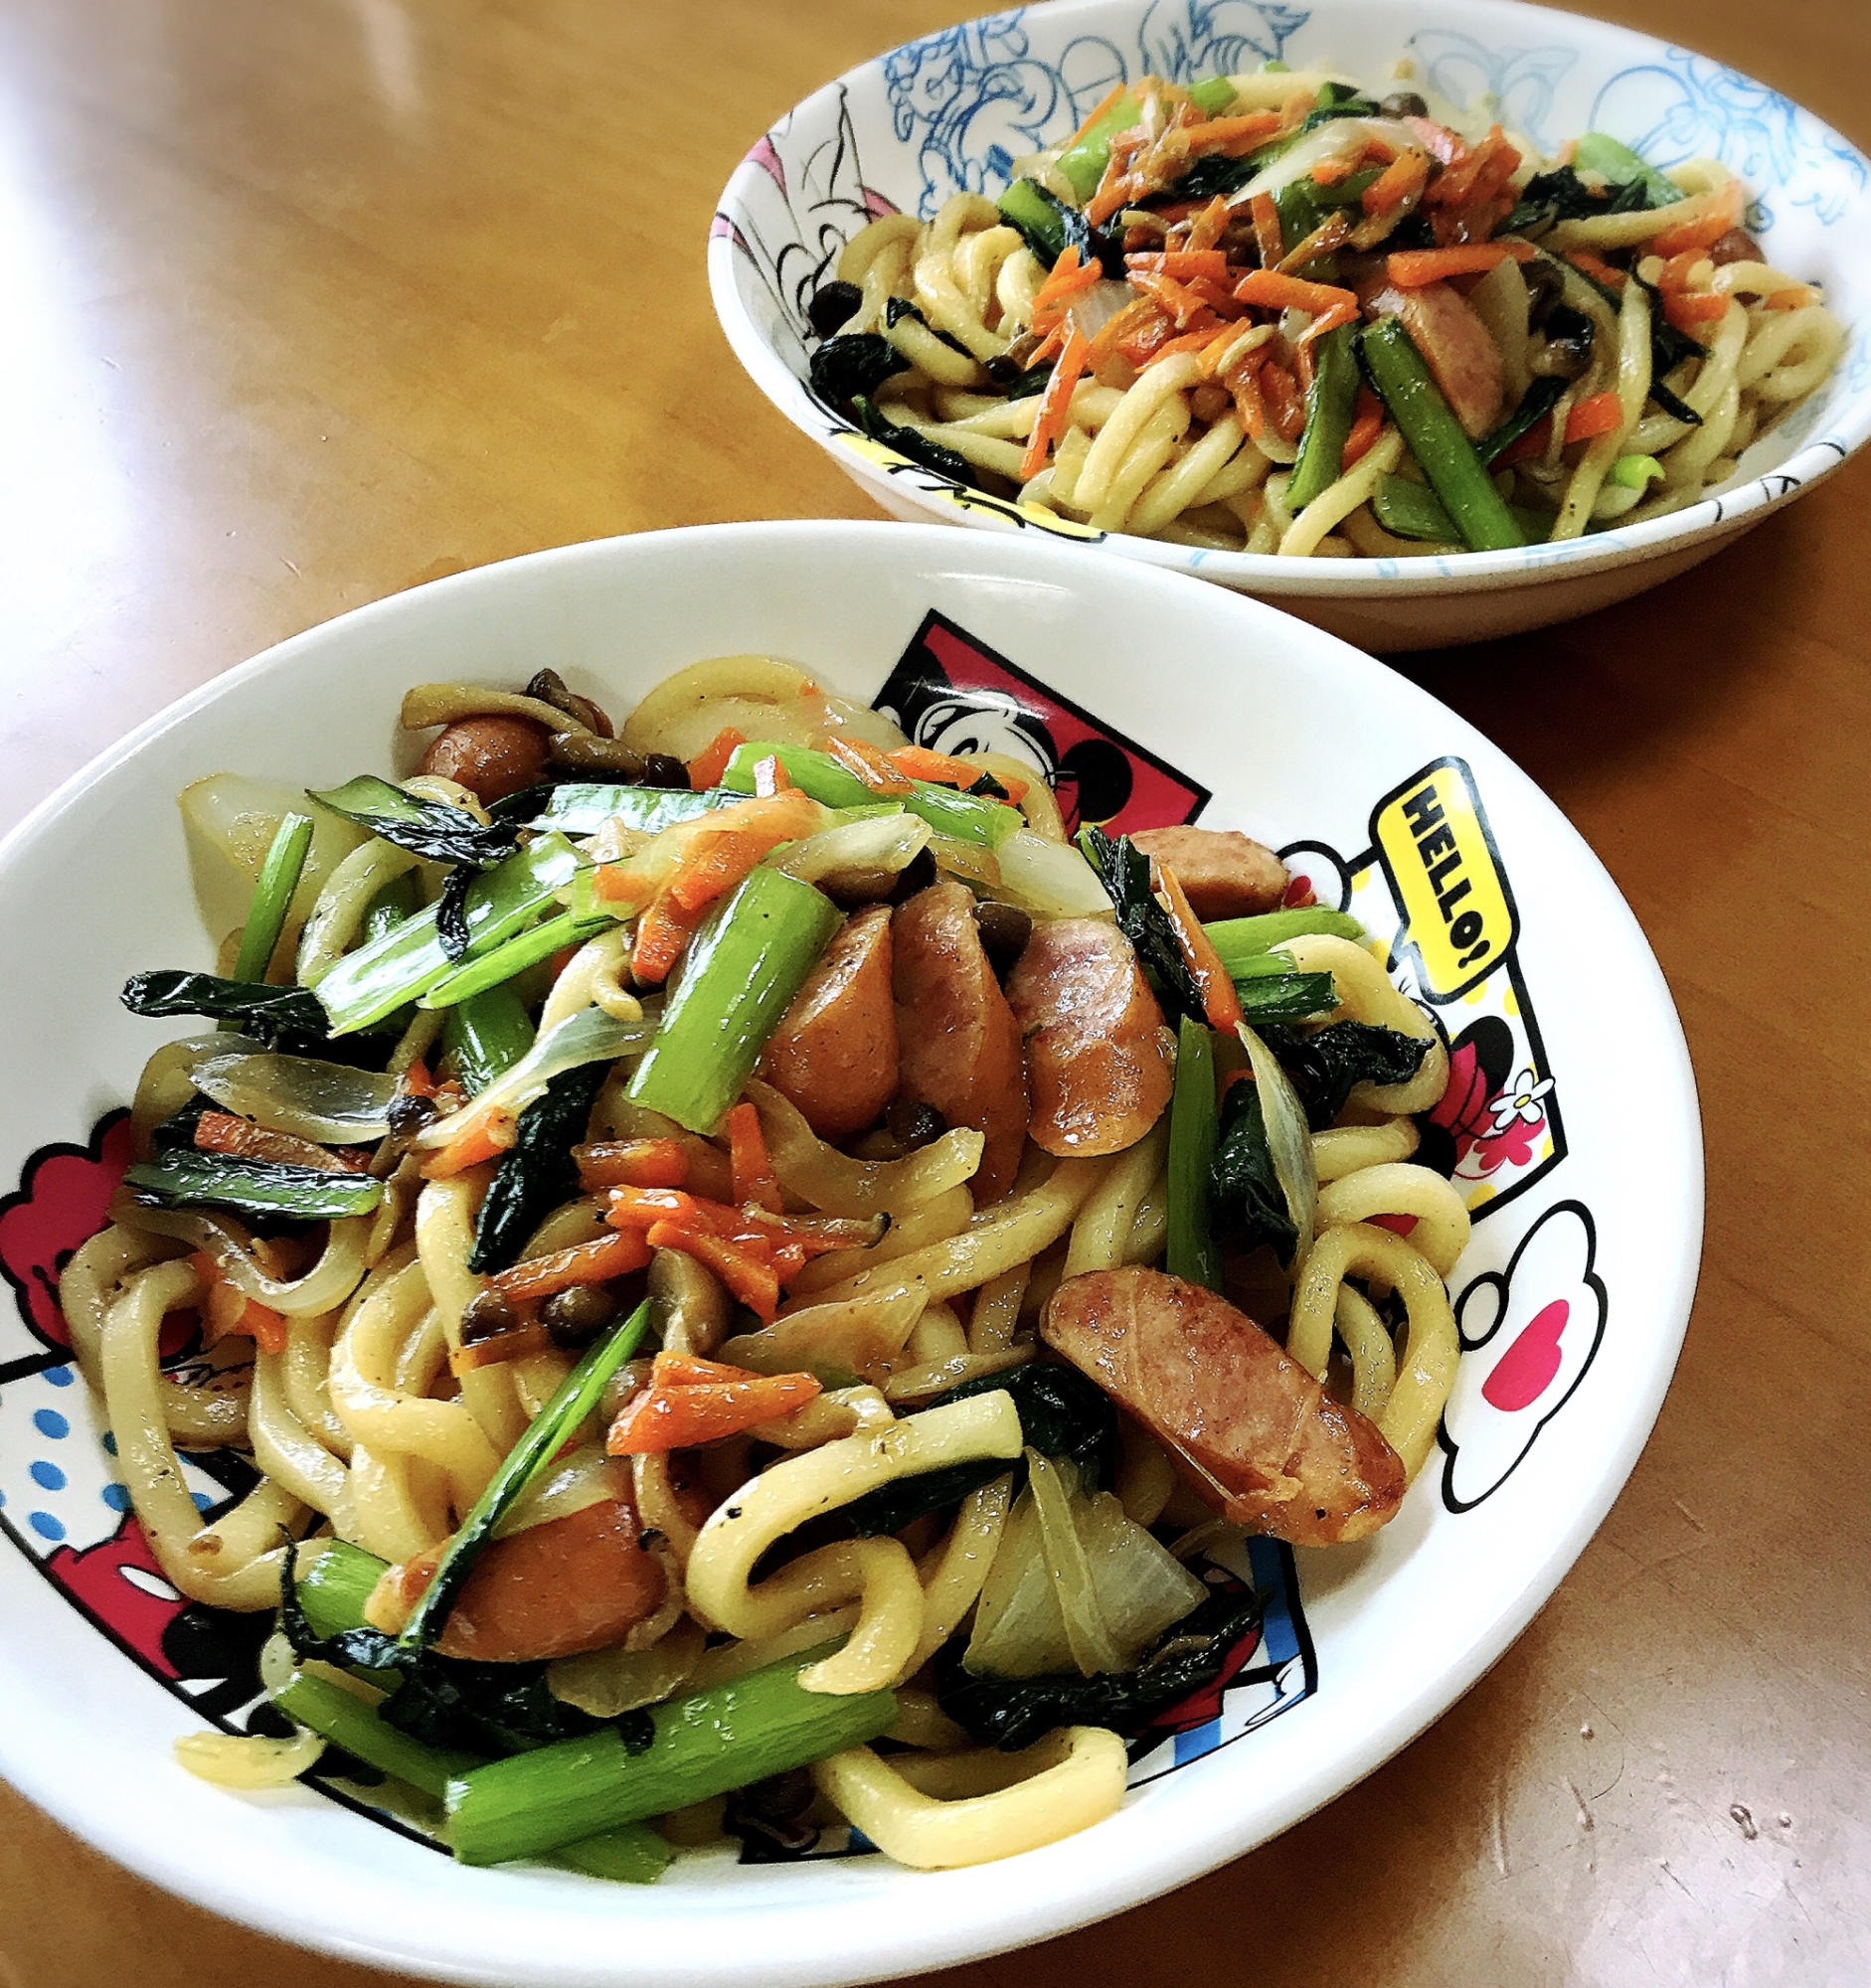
1597,268
754,1181
1267,232
1537,439
1445,146
1675,274
1054,409
1405,176
1182,304
748,1275
633,1163
1689,308
1208,227
228,1310
1273,291
1328,172
1599,414
662,931
1139,314
943,769
222,1132
490,1136
1069,279
644,1206
1244,382
1411,268
1477,175
707,766
691,1402
1234,134
615,1256
1182,264
1220,1002
416,1081
1194,341
1367,423
1721,213
1286,406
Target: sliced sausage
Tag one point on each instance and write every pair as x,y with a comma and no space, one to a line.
960,1042
1227,874
1272,1450
1458,347
576,1583
491,756
1097,1055
834,1053
1737,246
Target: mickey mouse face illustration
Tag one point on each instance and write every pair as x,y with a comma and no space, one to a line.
1528,1336
1091,779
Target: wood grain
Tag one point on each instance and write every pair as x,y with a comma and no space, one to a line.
309,302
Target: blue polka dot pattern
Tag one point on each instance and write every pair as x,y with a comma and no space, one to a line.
110,1443
49,1422
118,1496
60,1377
45,1525
48,1476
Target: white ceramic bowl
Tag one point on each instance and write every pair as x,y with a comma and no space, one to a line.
1574,1292
948,114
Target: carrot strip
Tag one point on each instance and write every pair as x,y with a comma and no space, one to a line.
1194,341
1251,128
1537,439
707,766
1267,232
588,1264
1367,423
1182,264
943,769
661,934
486,1139
1220,1002
1707,229
1411,268
1597,268
1181,303
1284,404
1689,308
231,1311
633,1163
1598,415
753,1282
644,1206
1054,409
416,1081
1273,291
1208,227
753,1178
1328,172
1405,176
1068,279
1675,274
678,1413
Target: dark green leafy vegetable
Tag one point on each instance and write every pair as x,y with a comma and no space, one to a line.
574,1398
1011,1713
1327,1066
1536,404
1033,381
428,828
853,365
537,1172
1062,1414
452,925
1561,195
1051,227
1305,205
398,901
1284,997
487,1034
581,808
1215,172
179,1178
267,1012
908,442
1669,347
1598,152
899,308
1125,871
1247,1201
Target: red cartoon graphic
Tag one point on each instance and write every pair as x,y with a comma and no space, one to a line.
119,1584
60,1204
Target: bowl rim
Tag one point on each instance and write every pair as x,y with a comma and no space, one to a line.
1698,526
32,1760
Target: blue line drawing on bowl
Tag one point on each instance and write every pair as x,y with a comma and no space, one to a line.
1183,41
1522,81
1687,107
974,98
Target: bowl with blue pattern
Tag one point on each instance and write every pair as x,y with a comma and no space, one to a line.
953,111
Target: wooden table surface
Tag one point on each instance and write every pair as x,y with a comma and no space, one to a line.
304,303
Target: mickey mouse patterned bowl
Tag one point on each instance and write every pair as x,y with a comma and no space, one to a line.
1572,1297
951,113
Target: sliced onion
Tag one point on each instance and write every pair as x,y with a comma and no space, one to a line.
1343,137
590,1036
1093,309
834,1341
329,1102
1288,1139
168,1079
839,1185
1050,879
587,1477
1019,1630
325,1286
1094,1648
1141,1584
231,821
884,842
609,1683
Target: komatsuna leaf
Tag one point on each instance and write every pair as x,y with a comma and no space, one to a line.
1011,1713
538,1172
1125,871
1246,1200
853,364
178,1178
427,828
1327,1067
269,1012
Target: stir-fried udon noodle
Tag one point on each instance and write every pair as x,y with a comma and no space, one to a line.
1281,312
750,1266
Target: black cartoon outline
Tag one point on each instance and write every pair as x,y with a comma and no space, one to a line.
1502,1282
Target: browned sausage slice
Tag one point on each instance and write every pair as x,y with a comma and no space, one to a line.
491,756
834,1053
1456,346
576,1583
1097,1055
1226,873
959,1042
1287,1459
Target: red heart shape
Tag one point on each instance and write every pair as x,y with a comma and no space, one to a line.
1525,1371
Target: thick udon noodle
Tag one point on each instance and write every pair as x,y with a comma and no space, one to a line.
363,1433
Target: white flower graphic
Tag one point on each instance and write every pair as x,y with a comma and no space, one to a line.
1520,1099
